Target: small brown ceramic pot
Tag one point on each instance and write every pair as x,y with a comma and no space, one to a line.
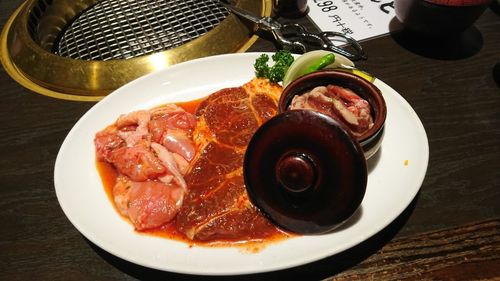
305,170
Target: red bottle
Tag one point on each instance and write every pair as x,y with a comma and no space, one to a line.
439,16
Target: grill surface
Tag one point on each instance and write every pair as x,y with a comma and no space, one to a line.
118,29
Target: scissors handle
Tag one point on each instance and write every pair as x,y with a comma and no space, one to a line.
359,53
267,24
281,38
324,40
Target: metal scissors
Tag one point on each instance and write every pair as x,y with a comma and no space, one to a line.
295,36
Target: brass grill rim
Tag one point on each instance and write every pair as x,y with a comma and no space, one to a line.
37,69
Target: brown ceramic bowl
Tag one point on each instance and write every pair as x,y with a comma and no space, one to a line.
439,16
370,140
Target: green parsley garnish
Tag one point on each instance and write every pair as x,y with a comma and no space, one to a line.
282,60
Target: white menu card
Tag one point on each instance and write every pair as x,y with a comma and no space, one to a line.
361,19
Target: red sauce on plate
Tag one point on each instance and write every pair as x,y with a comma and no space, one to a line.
109,176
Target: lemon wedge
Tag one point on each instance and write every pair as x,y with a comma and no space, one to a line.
311,60
358,72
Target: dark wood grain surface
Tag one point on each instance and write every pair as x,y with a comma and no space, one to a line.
450,231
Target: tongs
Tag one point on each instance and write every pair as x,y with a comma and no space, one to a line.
295,36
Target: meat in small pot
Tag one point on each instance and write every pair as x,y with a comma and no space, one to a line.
339,103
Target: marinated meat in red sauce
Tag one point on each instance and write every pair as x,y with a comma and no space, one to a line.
340,103
172,168
148,204
151,150
217,206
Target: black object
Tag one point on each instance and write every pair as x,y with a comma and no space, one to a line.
290,8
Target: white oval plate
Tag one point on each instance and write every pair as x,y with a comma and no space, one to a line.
395,176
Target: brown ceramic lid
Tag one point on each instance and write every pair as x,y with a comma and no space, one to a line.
305,172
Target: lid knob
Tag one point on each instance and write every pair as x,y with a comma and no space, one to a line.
296,172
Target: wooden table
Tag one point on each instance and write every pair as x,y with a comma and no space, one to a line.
451,231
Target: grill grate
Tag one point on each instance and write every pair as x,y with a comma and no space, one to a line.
123,29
